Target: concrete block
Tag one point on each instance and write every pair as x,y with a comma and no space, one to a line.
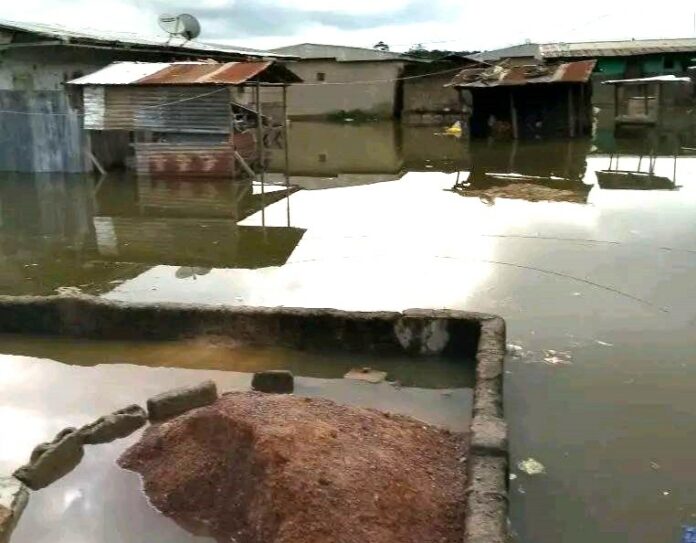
117,425
276,381
13,499
51,461
175,402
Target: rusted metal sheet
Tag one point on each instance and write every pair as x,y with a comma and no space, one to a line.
188,73
175,160
617,48
232,73
184,160
502,75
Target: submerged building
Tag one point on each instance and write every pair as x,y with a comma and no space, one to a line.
40,124
345,80
190,119
527,101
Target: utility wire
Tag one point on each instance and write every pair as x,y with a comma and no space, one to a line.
321,83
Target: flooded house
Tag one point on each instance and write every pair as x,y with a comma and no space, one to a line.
427,98
185,119
634,60
527,101
40,125
341,80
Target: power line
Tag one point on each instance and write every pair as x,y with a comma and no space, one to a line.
322,83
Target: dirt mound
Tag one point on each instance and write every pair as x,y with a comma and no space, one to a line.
258,468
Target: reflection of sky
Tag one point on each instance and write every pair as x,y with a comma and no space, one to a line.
385,246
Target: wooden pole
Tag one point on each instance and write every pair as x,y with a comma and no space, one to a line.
571,113
260,150
231,141
513,116
286,145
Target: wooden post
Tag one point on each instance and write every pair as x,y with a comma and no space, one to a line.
513,116
231,140
571,113
260,150
286,145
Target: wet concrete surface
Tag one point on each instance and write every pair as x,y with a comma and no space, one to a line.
100,503
598,297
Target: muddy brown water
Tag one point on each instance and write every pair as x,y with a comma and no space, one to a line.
597,290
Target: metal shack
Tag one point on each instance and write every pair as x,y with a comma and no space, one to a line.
40,128
527,101
185,119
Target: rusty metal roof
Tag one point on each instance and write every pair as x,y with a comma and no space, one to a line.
617,48
188,73
502,75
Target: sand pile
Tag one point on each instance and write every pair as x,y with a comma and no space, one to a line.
261,468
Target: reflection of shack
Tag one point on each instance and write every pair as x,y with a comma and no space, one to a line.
652,101
195,224
642,176
528,101
190,119
330,155
529,171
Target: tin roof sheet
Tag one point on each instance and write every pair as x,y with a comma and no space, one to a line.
185,73
617,48
340,53
503,75
657,79
122,40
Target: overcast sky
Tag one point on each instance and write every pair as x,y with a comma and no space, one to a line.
451,24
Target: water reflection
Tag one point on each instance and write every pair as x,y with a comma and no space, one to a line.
60,230
534,171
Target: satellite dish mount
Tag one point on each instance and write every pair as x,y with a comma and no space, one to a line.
185,26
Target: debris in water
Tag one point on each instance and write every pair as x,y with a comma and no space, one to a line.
68,291
577,294
598,342
366,374
513,476
557,358
665,493
514,350
654,465
531,467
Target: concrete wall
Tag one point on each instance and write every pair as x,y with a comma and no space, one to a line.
429,94
324,98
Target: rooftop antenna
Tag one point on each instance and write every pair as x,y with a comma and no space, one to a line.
184,25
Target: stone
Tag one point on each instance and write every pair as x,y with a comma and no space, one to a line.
51,461
117,425
274,381
13,499
178,401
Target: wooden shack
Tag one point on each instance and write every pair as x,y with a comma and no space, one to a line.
650,101
527,101
185,119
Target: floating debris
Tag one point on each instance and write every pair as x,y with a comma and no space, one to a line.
513,476
604,343
654,465
557,358
68,291
531,467
366,374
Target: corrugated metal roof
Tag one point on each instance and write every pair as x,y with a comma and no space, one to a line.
502,75
523,50
340,53
186,73
657,79
122,40
617,48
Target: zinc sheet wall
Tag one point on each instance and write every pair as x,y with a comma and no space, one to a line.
158,109
40,132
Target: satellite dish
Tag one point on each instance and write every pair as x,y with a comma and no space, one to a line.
184,25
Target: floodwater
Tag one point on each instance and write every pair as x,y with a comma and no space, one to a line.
596,283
